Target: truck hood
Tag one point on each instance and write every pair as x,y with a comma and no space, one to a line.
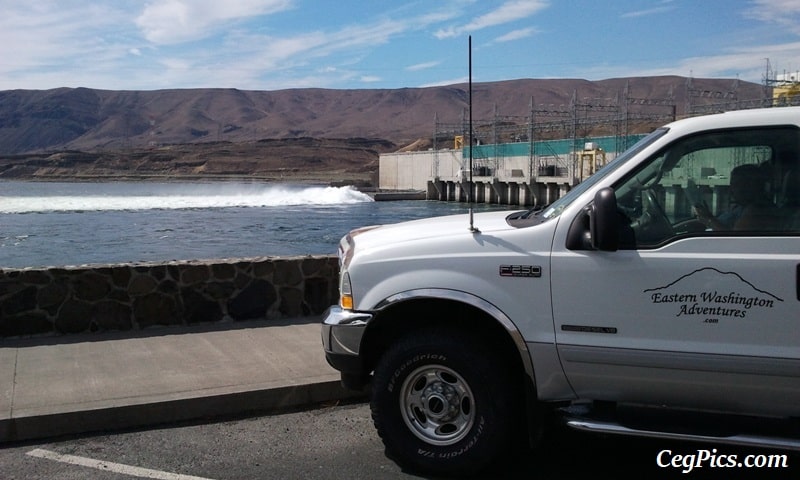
414,231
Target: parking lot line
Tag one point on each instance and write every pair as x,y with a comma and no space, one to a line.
110,466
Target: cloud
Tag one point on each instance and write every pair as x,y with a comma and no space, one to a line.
176,21
44,39
784,13
248,58
198,43
422,66
665,6
516,34
773,10
745,63
256,60
643,13
47,31
282,52
247,44
508,12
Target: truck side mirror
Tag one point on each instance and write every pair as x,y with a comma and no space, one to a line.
604,221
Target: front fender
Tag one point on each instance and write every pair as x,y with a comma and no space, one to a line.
473,301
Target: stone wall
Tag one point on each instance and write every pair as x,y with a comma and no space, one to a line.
100,298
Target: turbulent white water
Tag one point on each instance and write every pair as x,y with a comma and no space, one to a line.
201,196
74,223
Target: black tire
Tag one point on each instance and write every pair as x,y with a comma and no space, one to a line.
444,403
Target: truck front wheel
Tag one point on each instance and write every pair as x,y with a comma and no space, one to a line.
442,402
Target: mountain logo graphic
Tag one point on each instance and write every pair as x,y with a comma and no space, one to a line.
709,292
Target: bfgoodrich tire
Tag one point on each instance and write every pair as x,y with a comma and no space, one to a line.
443,403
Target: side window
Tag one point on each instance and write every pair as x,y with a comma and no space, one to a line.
733,182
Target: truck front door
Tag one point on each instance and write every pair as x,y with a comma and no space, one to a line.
700,306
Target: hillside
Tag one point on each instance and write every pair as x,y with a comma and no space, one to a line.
276,134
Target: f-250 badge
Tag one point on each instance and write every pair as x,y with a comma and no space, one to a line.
520,271
731,297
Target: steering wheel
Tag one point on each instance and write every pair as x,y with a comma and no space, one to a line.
651,206
653,224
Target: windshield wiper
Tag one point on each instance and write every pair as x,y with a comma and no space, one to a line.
533,211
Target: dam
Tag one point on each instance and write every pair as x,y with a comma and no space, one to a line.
517,173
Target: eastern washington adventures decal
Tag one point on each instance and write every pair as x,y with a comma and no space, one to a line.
730,297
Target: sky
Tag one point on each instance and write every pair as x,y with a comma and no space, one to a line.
376,44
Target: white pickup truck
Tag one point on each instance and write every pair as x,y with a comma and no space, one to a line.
662,289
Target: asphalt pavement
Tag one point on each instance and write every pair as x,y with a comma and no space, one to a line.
55,386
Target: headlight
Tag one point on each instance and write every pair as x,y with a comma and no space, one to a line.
345,292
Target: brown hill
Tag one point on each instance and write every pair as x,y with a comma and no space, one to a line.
272,133
352,161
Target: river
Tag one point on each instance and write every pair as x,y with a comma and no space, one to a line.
77,223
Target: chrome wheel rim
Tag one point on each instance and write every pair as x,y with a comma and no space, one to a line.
437,405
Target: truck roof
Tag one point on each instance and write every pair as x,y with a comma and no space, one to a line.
739,118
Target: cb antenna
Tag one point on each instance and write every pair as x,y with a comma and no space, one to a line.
472,227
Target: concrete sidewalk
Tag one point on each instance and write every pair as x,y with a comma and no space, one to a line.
77,384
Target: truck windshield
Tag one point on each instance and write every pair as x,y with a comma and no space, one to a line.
559,205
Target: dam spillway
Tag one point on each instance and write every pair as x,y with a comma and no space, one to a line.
523,173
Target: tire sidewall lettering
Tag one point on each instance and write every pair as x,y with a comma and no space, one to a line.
465,446
484,373
399,372
441,453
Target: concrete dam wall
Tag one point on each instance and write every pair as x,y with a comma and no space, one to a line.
521,173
